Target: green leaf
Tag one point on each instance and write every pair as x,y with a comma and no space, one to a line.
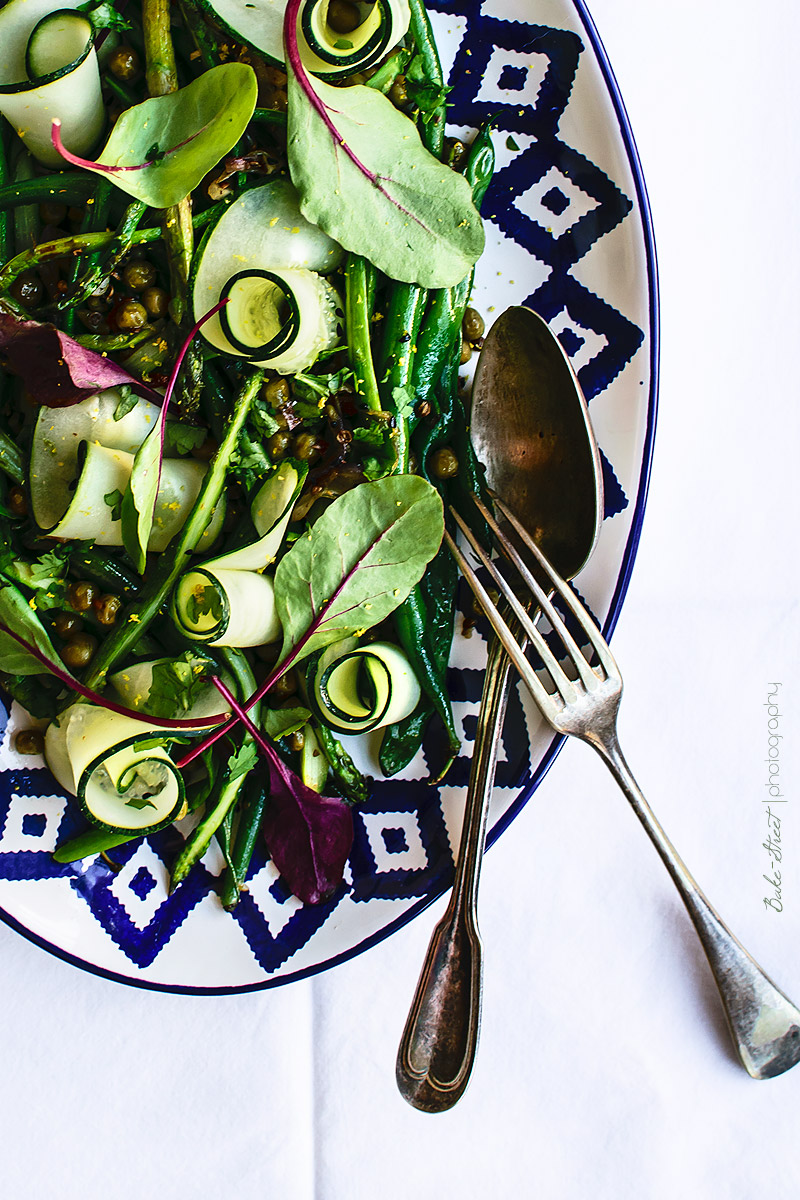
359,561
138,503
511,144
280,722
184,438
114,502
139,803
127,401
176,684
103,16
204,600
366,179
404,401
16,612
243,761
192,129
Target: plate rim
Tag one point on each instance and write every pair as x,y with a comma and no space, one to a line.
617,600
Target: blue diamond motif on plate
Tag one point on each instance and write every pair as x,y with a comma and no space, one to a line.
395,840
555,200
143,883
274,922
427,861
34,824
513,79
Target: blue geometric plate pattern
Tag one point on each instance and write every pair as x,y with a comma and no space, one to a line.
568,233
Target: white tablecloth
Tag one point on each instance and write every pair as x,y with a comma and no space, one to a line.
604,1068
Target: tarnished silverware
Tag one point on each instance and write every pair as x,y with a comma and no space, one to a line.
530,428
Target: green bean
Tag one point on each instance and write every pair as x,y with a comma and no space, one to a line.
359,285
388,71
225,796
26,219
400,330
89,843
87,243
101,266
94,220
244,843
67,189
169,566
5,232
200,33
112,343
269,116
432,130
103,568
12,461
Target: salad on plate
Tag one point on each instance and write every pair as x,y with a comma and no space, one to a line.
236,256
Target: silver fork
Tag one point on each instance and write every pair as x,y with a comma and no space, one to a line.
764,1023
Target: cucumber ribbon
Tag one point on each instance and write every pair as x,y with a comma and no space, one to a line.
229,601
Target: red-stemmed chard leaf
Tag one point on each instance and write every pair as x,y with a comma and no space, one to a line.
366,179
55,369
161,149
139,502
309,836
361,559
36,655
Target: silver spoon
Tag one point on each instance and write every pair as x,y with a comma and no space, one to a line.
530,428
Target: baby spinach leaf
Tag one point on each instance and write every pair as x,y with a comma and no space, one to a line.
359,561
159,150
17,614
366,179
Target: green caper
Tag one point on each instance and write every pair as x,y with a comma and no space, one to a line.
130,316
139,274
466,352
124,63
29,741
107,608
79,651
444,464
67,623
398,93
52,213
81,595
308,448
27,289
156,301
473,325
278,444
285,686
343,17
18,501
277,392
296,740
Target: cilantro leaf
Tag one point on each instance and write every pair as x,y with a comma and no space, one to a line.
114,502
204,600
176,684
183,438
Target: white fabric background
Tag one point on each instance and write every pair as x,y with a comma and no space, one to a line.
604,1068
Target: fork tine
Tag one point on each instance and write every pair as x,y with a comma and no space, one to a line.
584,669
587,624
562,682
531,680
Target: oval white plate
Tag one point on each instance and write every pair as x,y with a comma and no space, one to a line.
569,234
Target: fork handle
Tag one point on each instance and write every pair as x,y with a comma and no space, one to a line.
764,1023
440,1039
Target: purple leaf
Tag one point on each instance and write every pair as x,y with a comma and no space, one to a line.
56,370
308,836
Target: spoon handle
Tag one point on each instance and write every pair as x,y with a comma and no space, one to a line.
440,1038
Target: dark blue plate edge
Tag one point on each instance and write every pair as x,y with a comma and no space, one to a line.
623,581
